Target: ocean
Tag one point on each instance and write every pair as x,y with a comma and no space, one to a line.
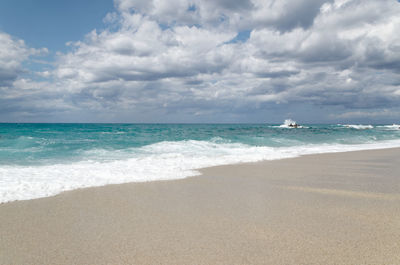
40,160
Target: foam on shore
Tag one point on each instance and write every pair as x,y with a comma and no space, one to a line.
159,161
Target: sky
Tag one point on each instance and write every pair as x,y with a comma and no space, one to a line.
200,61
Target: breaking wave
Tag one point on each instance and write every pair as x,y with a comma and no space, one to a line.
159,161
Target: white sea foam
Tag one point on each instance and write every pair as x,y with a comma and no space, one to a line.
390,127
358,126
160,161
113,132
289,124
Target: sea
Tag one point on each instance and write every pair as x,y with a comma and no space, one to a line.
40,160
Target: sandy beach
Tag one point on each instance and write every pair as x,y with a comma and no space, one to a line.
341,208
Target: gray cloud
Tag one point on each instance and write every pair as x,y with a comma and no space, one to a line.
287,14
12,53
176,61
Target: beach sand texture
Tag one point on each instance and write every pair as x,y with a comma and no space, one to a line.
341,208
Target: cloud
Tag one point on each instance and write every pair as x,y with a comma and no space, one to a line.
12,53
286,15
180,60
385,113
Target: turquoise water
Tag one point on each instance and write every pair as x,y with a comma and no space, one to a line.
39,160
32,144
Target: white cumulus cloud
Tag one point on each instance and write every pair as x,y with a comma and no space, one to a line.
184,59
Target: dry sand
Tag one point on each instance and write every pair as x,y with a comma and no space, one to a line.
339,208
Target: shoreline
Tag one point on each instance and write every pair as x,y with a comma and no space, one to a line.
200,170
332,208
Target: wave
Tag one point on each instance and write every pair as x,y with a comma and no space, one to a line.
290,124
391,127
159,161
358,126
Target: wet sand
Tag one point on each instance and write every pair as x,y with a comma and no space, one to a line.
341,208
